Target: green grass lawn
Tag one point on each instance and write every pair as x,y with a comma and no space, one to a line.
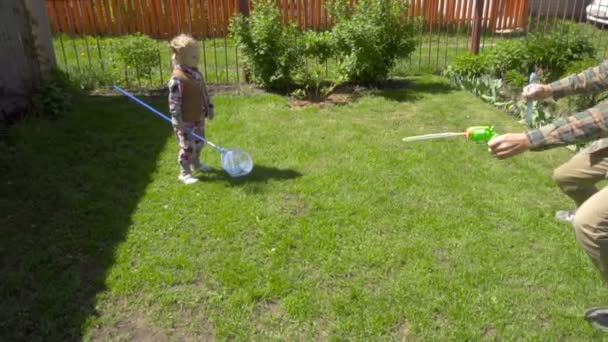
341,232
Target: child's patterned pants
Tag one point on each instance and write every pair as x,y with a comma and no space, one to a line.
190,147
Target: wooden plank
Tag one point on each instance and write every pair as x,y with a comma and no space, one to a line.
318,12
110,17
65,20
298,12
123,14
449,13
169,18
489,14
73,17
224,16
217,15
305,14
116,17
523,14
71,25
188,15
52,15
58,6
160,19
151,20
179,17
184,15
144,11
100,18
67,11
97,15
328,20
456,13
509,18
221,8
205,18
494,17
87,10
502,15
230,5
135,16
469,16
194,22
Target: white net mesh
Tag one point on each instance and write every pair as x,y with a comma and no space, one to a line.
236,162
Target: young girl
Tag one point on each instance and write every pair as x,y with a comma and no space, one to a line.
189,105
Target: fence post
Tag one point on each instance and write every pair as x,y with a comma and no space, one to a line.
476,32
244,9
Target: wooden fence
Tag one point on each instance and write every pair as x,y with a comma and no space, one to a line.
210,18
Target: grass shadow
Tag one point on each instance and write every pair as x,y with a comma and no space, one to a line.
259,174
69,188
409,90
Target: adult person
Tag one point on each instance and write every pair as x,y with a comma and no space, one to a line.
578,176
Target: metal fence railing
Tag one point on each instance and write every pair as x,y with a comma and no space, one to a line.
88,33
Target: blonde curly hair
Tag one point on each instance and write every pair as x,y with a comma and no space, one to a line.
179,44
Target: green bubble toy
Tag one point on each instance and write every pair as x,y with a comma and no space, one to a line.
475,133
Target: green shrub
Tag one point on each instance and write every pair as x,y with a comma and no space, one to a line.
54,96
468,65
270,47
555,51
579,66
510,55
370,37
318,45
139,52
516,80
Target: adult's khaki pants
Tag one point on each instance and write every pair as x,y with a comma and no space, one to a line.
577,178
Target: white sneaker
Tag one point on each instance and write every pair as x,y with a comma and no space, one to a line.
187,179
203,168
565,216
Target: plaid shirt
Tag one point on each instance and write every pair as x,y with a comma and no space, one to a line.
580,127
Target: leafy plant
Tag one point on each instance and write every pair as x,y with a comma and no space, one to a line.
370,37
54,97
468,65
515,79
270,47
318,45
510,55
139,52
313,85
554,52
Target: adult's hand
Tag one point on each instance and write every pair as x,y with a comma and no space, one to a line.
536,91
509,145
